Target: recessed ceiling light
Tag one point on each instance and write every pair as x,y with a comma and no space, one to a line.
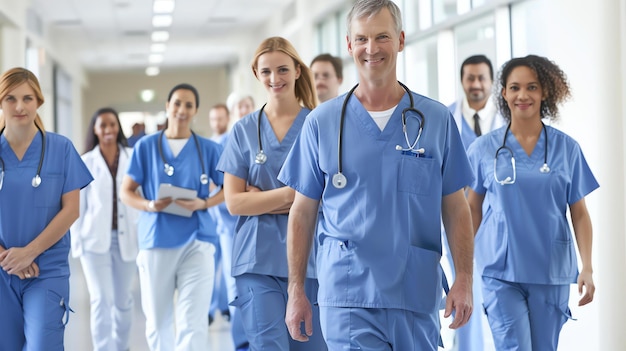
156,48
155,58
152,71
163,6
160,35
162,20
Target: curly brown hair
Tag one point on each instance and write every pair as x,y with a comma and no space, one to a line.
552,79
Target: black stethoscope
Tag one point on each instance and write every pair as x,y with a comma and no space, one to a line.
261,156
339,180
37,178
169,169
508,180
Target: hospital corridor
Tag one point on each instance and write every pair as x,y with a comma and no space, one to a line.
171,137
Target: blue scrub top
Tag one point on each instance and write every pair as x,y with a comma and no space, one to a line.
165,230
259,244
380,236
26,211
220,212
524,235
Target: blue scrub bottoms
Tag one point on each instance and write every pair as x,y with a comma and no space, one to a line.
262,302
525,317
34,312
379,329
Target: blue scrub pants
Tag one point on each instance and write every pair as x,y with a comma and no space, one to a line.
525,317
219,301
379,329
34,312
237,332
262,302
110,283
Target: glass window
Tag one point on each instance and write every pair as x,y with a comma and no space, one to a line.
421,66
62,102
476,37
443,9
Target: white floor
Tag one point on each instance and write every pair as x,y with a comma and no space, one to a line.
77,332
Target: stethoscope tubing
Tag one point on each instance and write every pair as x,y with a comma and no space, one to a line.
203,177
36,181
339,180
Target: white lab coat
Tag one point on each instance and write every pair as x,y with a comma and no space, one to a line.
92,230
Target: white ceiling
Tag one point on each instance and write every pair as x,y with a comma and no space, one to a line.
116,34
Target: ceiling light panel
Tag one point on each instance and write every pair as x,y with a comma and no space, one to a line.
160,36
163,6
161,21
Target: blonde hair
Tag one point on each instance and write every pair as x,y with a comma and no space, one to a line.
305,90
15,77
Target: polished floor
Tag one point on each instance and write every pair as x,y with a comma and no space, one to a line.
77,332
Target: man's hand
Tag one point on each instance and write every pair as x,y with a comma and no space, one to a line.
298,312
459,300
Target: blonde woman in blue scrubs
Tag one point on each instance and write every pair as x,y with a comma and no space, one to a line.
40,177
524,247
261,201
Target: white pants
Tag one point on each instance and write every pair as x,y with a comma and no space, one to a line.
190,270
110,282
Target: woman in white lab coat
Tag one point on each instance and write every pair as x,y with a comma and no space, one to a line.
105,235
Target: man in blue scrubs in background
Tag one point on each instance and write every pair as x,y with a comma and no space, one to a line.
383,192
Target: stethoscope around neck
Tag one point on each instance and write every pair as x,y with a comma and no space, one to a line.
260,157
169,169
36,181
511,180
339,180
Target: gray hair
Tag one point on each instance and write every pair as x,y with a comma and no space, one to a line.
368,8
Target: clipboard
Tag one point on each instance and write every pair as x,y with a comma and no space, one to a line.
175,192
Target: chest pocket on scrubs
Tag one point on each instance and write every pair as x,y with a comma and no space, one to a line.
415,175
49,192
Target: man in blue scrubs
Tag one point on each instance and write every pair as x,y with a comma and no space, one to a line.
383,192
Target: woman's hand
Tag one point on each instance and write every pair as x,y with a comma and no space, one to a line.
585,279
158,205
16,259
196,204
30,272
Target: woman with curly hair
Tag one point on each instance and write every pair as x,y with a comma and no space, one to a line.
530,174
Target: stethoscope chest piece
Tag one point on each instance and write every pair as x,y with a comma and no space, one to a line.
204,179
339,180
36,182
544,168
260,157
169,170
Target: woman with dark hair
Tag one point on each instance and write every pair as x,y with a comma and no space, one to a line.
105,234
531,174
177,236
253,193
40,177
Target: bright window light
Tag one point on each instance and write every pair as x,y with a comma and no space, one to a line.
163,6
147,95
162,20
160,36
